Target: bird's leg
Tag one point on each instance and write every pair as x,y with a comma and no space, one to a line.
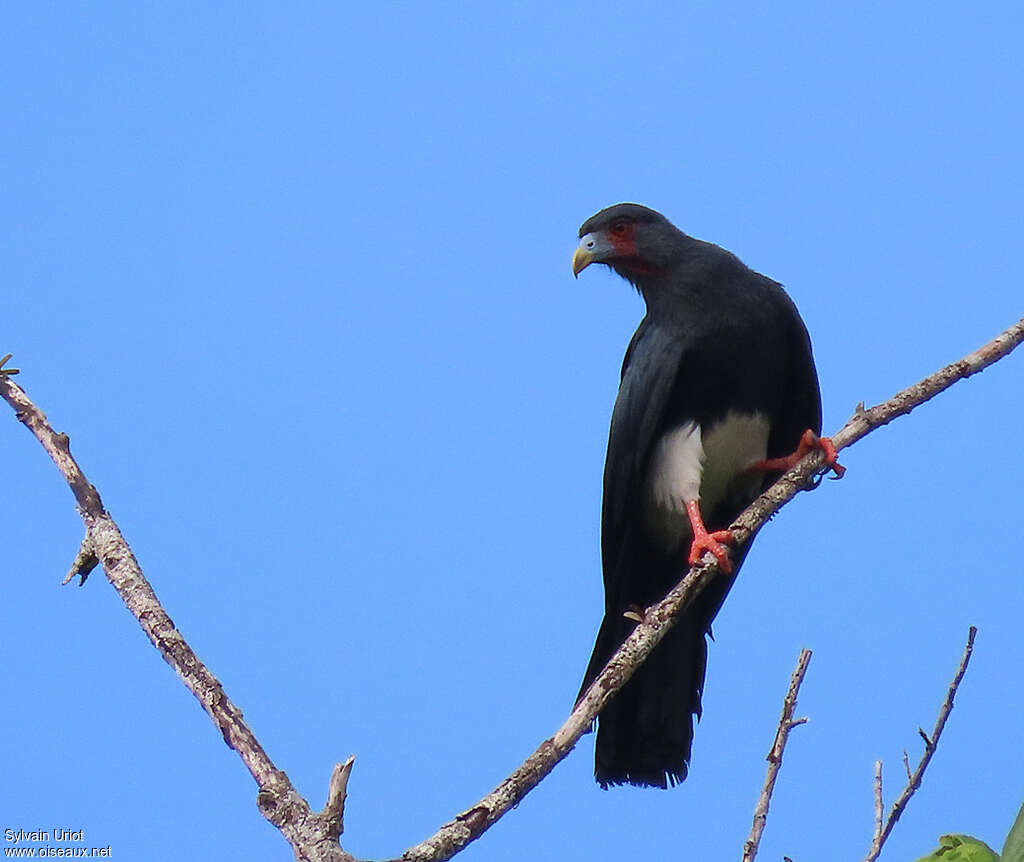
808,443
705,541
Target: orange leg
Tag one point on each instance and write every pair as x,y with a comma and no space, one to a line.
705,541
808,443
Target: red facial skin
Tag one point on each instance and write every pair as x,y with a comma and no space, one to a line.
622,236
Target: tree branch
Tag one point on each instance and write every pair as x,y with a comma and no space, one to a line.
786,724
337,791
914,781
879,804
310,834
280,803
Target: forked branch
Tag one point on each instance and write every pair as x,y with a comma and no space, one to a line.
786,724
882,832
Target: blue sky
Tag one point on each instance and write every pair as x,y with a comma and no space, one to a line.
295,279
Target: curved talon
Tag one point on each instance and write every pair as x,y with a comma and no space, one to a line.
809,441
831,456
712,542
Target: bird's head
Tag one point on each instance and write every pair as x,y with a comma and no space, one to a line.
633,240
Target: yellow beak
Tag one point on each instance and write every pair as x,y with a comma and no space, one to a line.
581,259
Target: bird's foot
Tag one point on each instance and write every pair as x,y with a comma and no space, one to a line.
713,542
831,455
705,541
808,443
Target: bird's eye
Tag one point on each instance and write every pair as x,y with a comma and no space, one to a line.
619,228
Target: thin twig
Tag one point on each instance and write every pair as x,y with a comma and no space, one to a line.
7,371
931,743
879,804
786,724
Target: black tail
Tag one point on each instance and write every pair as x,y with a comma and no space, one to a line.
645,732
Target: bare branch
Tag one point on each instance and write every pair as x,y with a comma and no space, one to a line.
334,811
879,804
865,421
930,744
308,833
786,724
277,799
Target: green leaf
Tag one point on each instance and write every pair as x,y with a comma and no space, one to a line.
961,848
1013,849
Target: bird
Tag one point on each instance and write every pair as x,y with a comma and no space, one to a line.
718,396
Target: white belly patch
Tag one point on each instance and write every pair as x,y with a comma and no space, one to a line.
690,463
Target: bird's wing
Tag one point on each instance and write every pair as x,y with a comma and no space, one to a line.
649,374
800,409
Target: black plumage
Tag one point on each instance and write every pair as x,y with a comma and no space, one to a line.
718,378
